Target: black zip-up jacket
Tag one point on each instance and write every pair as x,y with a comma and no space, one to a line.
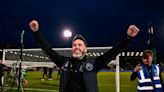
80,75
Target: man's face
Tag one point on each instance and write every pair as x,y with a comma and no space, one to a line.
78,49
148,61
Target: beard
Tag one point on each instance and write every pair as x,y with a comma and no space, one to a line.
78,55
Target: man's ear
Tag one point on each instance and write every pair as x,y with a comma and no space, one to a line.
85,50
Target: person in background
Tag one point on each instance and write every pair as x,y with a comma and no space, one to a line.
149,75
50,71
44,73
1,71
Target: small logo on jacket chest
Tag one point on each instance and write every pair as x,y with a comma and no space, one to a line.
89,67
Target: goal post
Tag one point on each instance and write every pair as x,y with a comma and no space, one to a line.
37,58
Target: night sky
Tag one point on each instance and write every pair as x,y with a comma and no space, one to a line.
101,22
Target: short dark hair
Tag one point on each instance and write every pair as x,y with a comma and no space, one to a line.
79,36
147,53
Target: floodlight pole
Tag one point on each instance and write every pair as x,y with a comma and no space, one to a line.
20,65
150,35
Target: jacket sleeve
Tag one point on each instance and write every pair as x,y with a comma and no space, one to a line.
133,76
104,59
53,55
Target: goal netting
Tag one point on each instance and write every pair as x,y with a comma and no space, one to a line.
37,58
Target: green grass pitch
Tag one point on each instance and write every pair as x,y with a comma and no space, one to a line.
106,82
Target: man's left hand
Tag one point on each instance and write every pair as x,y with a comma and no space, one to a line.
132,31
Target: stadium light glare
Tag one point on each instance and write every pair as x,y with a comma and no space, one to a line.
128,53
98,54
132,54
141,53
137,54
67,33
123,53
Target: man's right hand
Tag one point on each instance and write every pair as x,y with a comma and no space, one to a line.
138,68
34,26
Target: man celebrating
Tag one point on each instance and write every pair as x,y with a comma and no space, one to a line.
78,73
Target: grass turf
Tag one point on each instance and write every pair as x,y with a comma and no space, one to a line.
106,82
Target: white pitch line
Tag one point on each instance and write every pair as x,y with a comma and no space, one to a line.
36,89
45,90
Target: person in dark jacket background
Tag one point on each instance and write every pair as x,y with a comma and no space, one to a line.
44,73
1,71
50,71
78,73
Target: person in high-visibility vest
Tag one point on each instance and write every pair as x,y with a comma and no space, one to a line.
149,75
